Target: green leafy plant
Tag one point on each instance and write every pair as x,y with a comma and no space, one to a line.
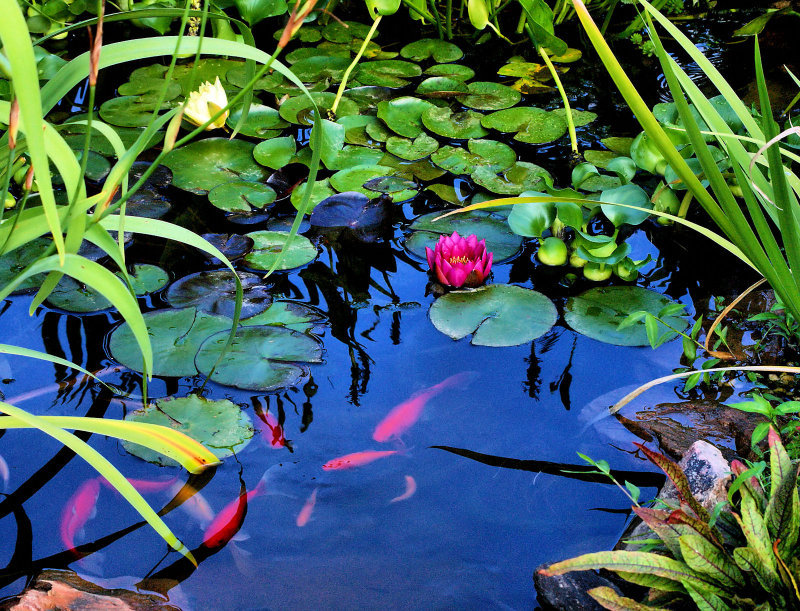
745,559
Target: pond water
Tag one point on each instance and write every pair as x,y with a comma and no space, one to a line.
471,500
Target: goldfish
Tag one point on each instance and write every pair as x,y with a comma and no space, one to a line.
227,522
5,473
146,485
411,488
192,502
305,513
356,459
80,508
404,415
272,431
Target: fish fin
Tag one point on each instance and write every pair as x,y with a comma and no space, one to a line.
240,536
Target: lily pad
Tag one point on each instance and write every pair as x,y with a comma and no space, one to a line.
418,148
269,82
491,154
512,119
453,71
368,98
262,121
208,69
456,125
378,131
202,165
130,111
579,117
534,125
353,179
232,245
222,426
214,292
597,313
485,95
403,115
351,156
267,245
440,87
175,336
440,50
496,315
319,67
522,176
319,191
299,110
290,314
275,152
387,73
262,358
487,225
345,31
241,196
422,169
74,136
350,210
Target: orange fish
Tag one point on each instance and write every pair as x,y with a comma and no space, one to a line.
305,513
272,431
356,459
228,521
403,416
145,485
411,488
191,501
80,508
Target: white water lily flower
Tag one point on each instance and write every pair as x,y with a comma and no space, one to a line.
206,102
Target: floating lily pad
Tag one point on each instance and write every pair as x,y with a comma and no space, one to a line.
496,315
175,336
422,169
440,87
149,89
567,57
534,125
440,50
368,98
207,70
350,210
269,82
319,191
320,67
512,119
456,125
97,166
262,122
267,245
241,196
275,152
353,179
390,185
74,136
130,111
487,225
453,71
202,165
222,426
485,95
299,110
600,159
232,245
290,314
351,156
262,358
345,31
387,73
491,154
214,292
597,313
522,176
418,148
403,116
579,117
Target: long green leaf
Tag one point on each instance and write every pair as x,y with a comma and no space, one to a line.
611,600
783,508
704,557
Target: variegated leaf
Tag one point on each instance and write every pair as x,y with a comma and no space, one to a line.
704,557
678,479
613,601
750,561
706,600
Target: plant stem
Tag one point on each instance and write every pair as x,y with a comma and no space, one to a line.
449,19
573,138
687,199
353,64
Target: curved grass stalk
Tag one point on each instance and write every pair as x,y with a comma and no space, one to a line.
354,63
573,138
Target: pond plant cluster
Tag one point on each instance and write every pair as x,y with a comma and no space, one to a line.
329,148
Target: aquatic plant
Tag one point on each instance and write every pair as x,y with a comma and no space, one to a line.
206,102
459,261
743,556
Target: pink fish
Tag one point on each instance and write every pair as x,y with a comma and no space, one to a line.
80,508
5,473
228,521
404,415
356,459
145,485
192,502
305,513
272,430
411,488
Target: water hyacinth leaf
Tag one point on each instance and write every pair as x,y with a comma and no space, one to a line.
241,196
298,110
620,146
484,95
599,159
221,426
262,358
275,153
491,154
632,195
403,115
175,335
129,111
597,313
459,125
440,50
253,11
531,220
267,246
522,176
319,67
489,226
440,87
497,315
214,292
387,73
418,148
262,121
290,314
201,165
319,191
452,71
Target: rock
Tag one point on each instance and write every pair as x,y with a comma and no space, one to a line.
568,592
64,590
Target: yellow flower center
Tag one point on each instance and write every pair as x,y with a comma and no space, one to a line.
461,259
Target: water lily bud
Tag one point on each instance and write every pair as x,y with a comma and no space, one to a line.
459,261
552,251
205,103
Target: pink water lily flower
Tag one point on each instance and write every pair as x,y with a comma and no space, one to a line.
459,261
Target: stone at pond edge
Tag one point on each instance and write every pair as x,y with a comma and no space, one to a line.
568,592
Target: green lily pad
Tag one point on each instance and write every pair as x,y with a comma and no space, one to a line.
390,184
130,111
267,245
403,116
290,314
203,164
448,193
320,190
422,169
440,87
440,50
621,146
496,315
208,69
319,67
222,426
346,31
546,127
355,129
262,122
269,82
97,166
353,179
457,125
600,159
512,119
378,132
491,154
485,95
351,156
241,196
453,71
487,225
597,313
418,148
275,152
214,292
175,336
579,117
74,135
262,358
522,176
308,33
299,110
368,98
567,57
387,73
147,279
